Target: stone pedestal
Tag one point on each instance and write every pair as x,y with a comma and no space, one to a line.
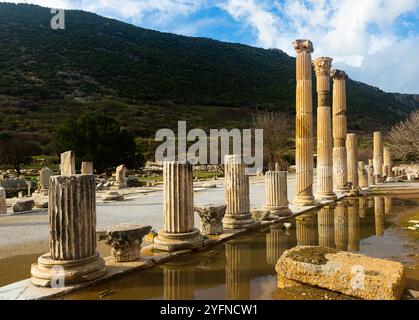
68,163
304,124
276,197
211,218
236,194
3,205
72,257
325,222
125,240
362,175
306,230
378,157
178,232
341,226
324,131
87,168
237,253
121,181
340,178
352,160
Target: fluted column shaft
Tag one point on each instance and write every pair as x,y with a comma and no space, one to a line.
362,175
178,283
304,124
178,208
388,164
276,197
353,226
322,68
236,193
352,158
378,156
277,241
72,217
339,131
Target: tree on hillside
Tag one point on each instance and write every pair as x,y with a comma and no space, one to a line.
403,138
17,149
276,133
99,138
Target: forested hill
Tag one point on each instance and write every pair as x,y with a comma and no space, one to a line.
98,62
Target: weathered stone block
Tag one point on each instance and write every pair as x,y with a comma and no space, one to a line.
211,218
349,273
23,205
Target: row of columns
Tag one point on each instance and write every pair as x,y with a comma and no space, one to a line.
338,169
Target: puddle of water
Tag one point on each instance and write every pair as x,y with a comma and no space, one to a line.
244,268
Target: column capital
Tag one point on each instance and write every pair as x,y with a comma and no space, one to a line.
303,46
338,74
322,66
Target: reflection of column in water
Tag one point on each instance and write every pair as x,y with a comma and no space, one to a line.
325,221
277,241
306,230
353,225
388,202
341,225
379,216
237,270
362,207
178,281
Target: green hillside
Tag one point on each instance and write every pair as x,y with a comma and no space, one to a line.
148,79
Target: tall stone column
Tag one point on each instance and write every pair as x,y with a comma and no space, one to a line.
353,226
325,222
362,207
306,230
87,168
304,124
3,205
237,269
178,209
340,178
44,175
378,157
322,67
341,225
72,241
388,164
276,197
352,159
370,173
68,163
236,194
362,175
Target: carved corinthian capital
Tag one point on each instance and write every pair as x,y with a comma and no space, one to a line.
322,66
338,74
303,46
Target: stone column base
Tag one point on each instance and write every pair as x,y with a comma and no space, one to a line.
326,196
239,221
177,241
304,201
280,211
49,272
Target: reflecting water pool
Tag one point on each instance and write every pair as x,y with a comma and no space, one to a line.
244,268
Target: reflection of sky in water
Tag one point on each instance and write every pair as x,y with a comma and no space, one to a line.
244,268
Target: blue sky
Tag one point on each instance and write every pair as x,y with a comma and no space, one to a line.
375,41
